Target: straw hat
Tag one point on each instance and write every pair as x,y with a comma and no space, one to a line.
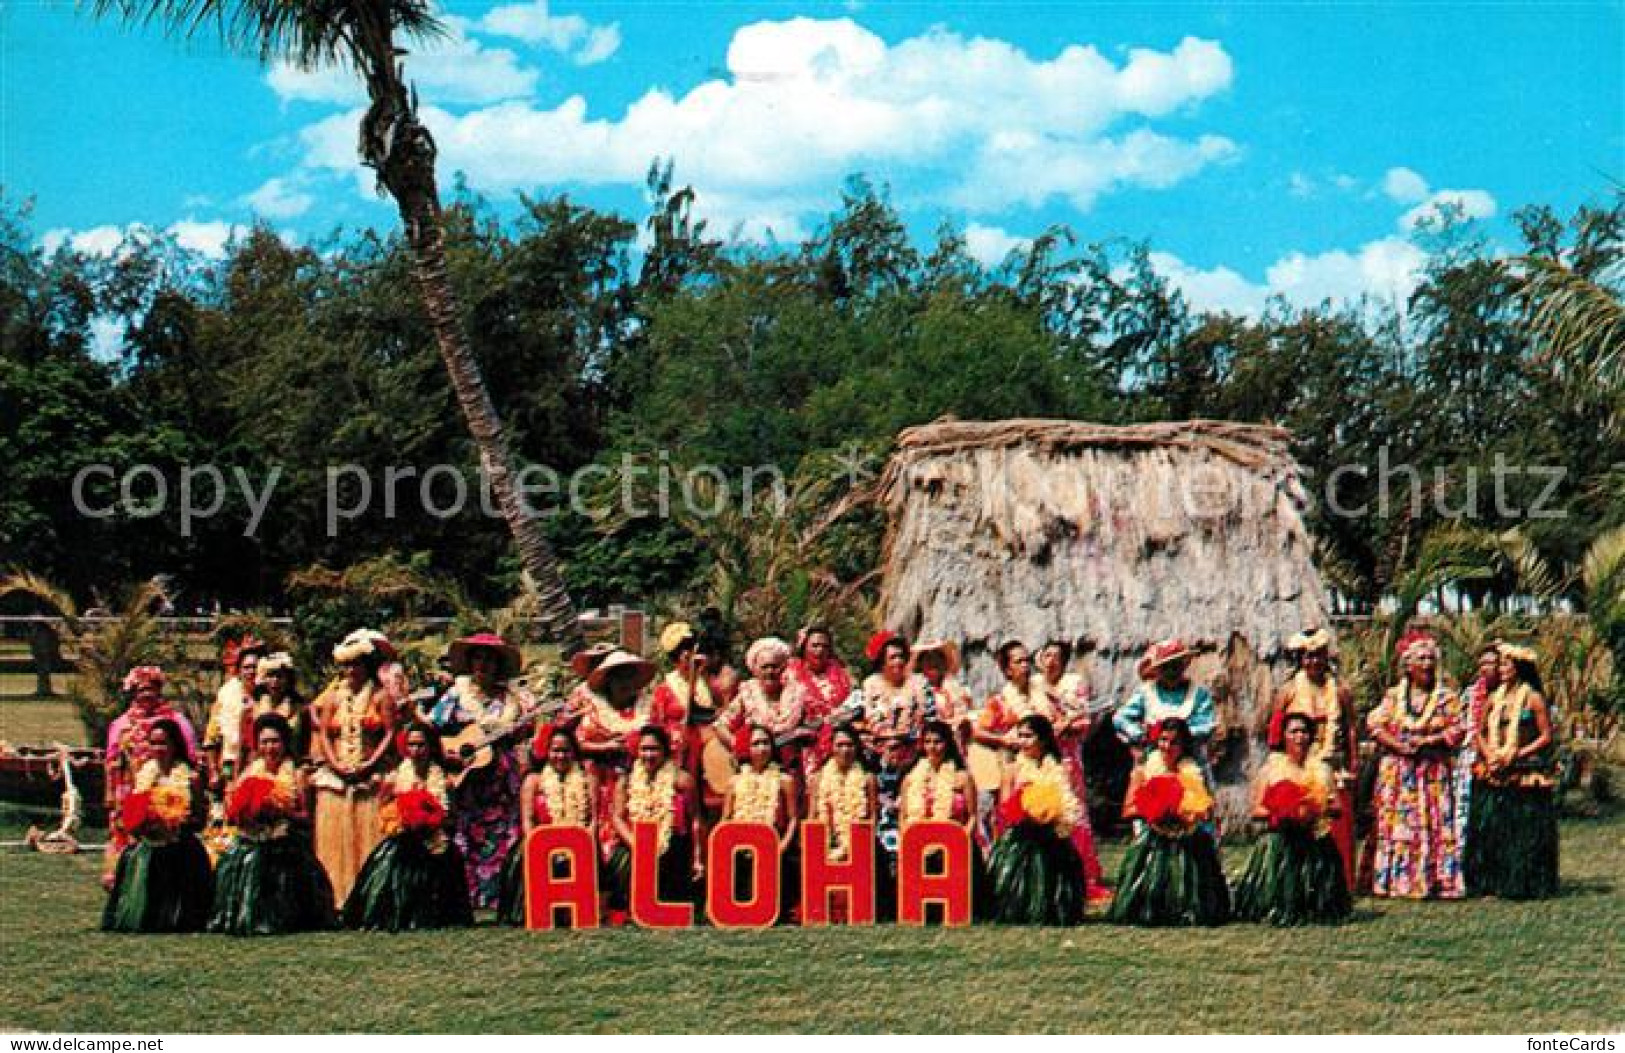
1309,641
276,662
461,651
584,660
1161,653
1517,652
363,643
673,636
946,648
618,659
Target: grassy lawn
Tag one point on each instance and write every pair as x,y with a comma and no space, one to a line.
1473,967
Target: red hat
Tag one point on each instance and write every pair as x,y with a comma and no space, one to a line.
462,650
877,644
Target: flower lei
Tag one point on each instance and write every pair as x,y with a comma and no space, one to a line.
567,803
1502,724
689,695
1319,704
1194,800
406,778
350,710
158,804
756,795
1401,709
822,694
1296,794
774,714
928,793
846,798
653,799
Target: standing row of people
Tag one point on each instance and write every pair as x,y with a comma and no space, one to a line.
354,802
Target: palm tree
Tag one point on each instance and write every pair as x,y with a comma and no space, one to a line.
1578,323
364,36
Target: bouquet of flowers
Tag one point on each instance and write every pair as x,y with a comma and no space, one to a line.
155,813
1289,804
1173,804
413,812
1040,802
258,802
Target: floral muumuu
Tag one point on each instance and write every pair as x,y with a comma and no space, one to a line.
934,866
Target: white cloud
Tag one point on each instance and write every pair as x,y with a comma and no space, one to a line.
455,70
572,35
1404,186
1462,204
1300,185
989,246
206,237
972,122
1386,270
279,198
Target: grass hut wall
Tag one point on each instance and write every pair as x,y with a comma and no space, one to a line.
1110,538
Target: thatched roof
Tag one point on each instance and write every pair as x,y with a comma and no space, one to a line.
1110,537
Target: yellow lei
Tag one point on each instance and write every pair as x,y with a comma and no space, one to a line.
1050,776
928,793
1502,722
568,802
756,795
845,798
286,792
350,711
406,778
653,799
1321,705
700,695
171,795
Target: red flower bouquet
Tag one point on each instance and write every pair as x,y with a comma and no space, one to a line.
1011,813
258,802
1158,800
1288,804
419,811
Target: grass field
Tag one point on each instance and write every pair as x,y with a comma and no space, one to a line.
1453,967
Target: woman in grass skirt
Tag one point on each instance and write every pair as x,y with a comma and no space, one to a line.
560,792
763,792
1170,874
414,879
656,791
1295,875
1034,872
163,882
1512,845
269,881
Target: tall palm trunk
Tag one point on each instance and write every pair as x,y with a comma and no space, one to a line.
401,150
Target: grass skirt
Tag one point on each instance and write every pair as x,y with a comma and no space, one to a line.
405,885
264,888
1034,878
1171,881
1512,845
161,888
1294,878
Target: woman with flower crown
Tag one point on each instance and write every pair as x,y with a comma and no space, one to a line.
353,723
163,882
763,792
1512,845
1034,874
658,792
1295,874
559,791
825,685
1314,692
1170,874
129,747
1417,727
414,879
269,881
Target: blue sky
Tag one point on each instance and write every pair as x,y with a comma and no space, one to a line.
1261,147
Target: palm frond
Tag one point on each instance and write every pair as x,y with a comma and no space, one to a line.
1578,322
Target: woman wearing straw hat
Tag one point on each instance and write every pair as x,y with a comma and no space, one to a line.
1314,693
353,724
485,803
1417,728
1512,845
608,728
1167,692
683,702
276,691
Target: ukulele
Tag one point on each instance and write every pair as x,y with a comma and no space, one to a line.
476,748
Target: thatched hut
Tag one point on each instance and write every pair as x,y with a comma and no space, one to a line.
1108,537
